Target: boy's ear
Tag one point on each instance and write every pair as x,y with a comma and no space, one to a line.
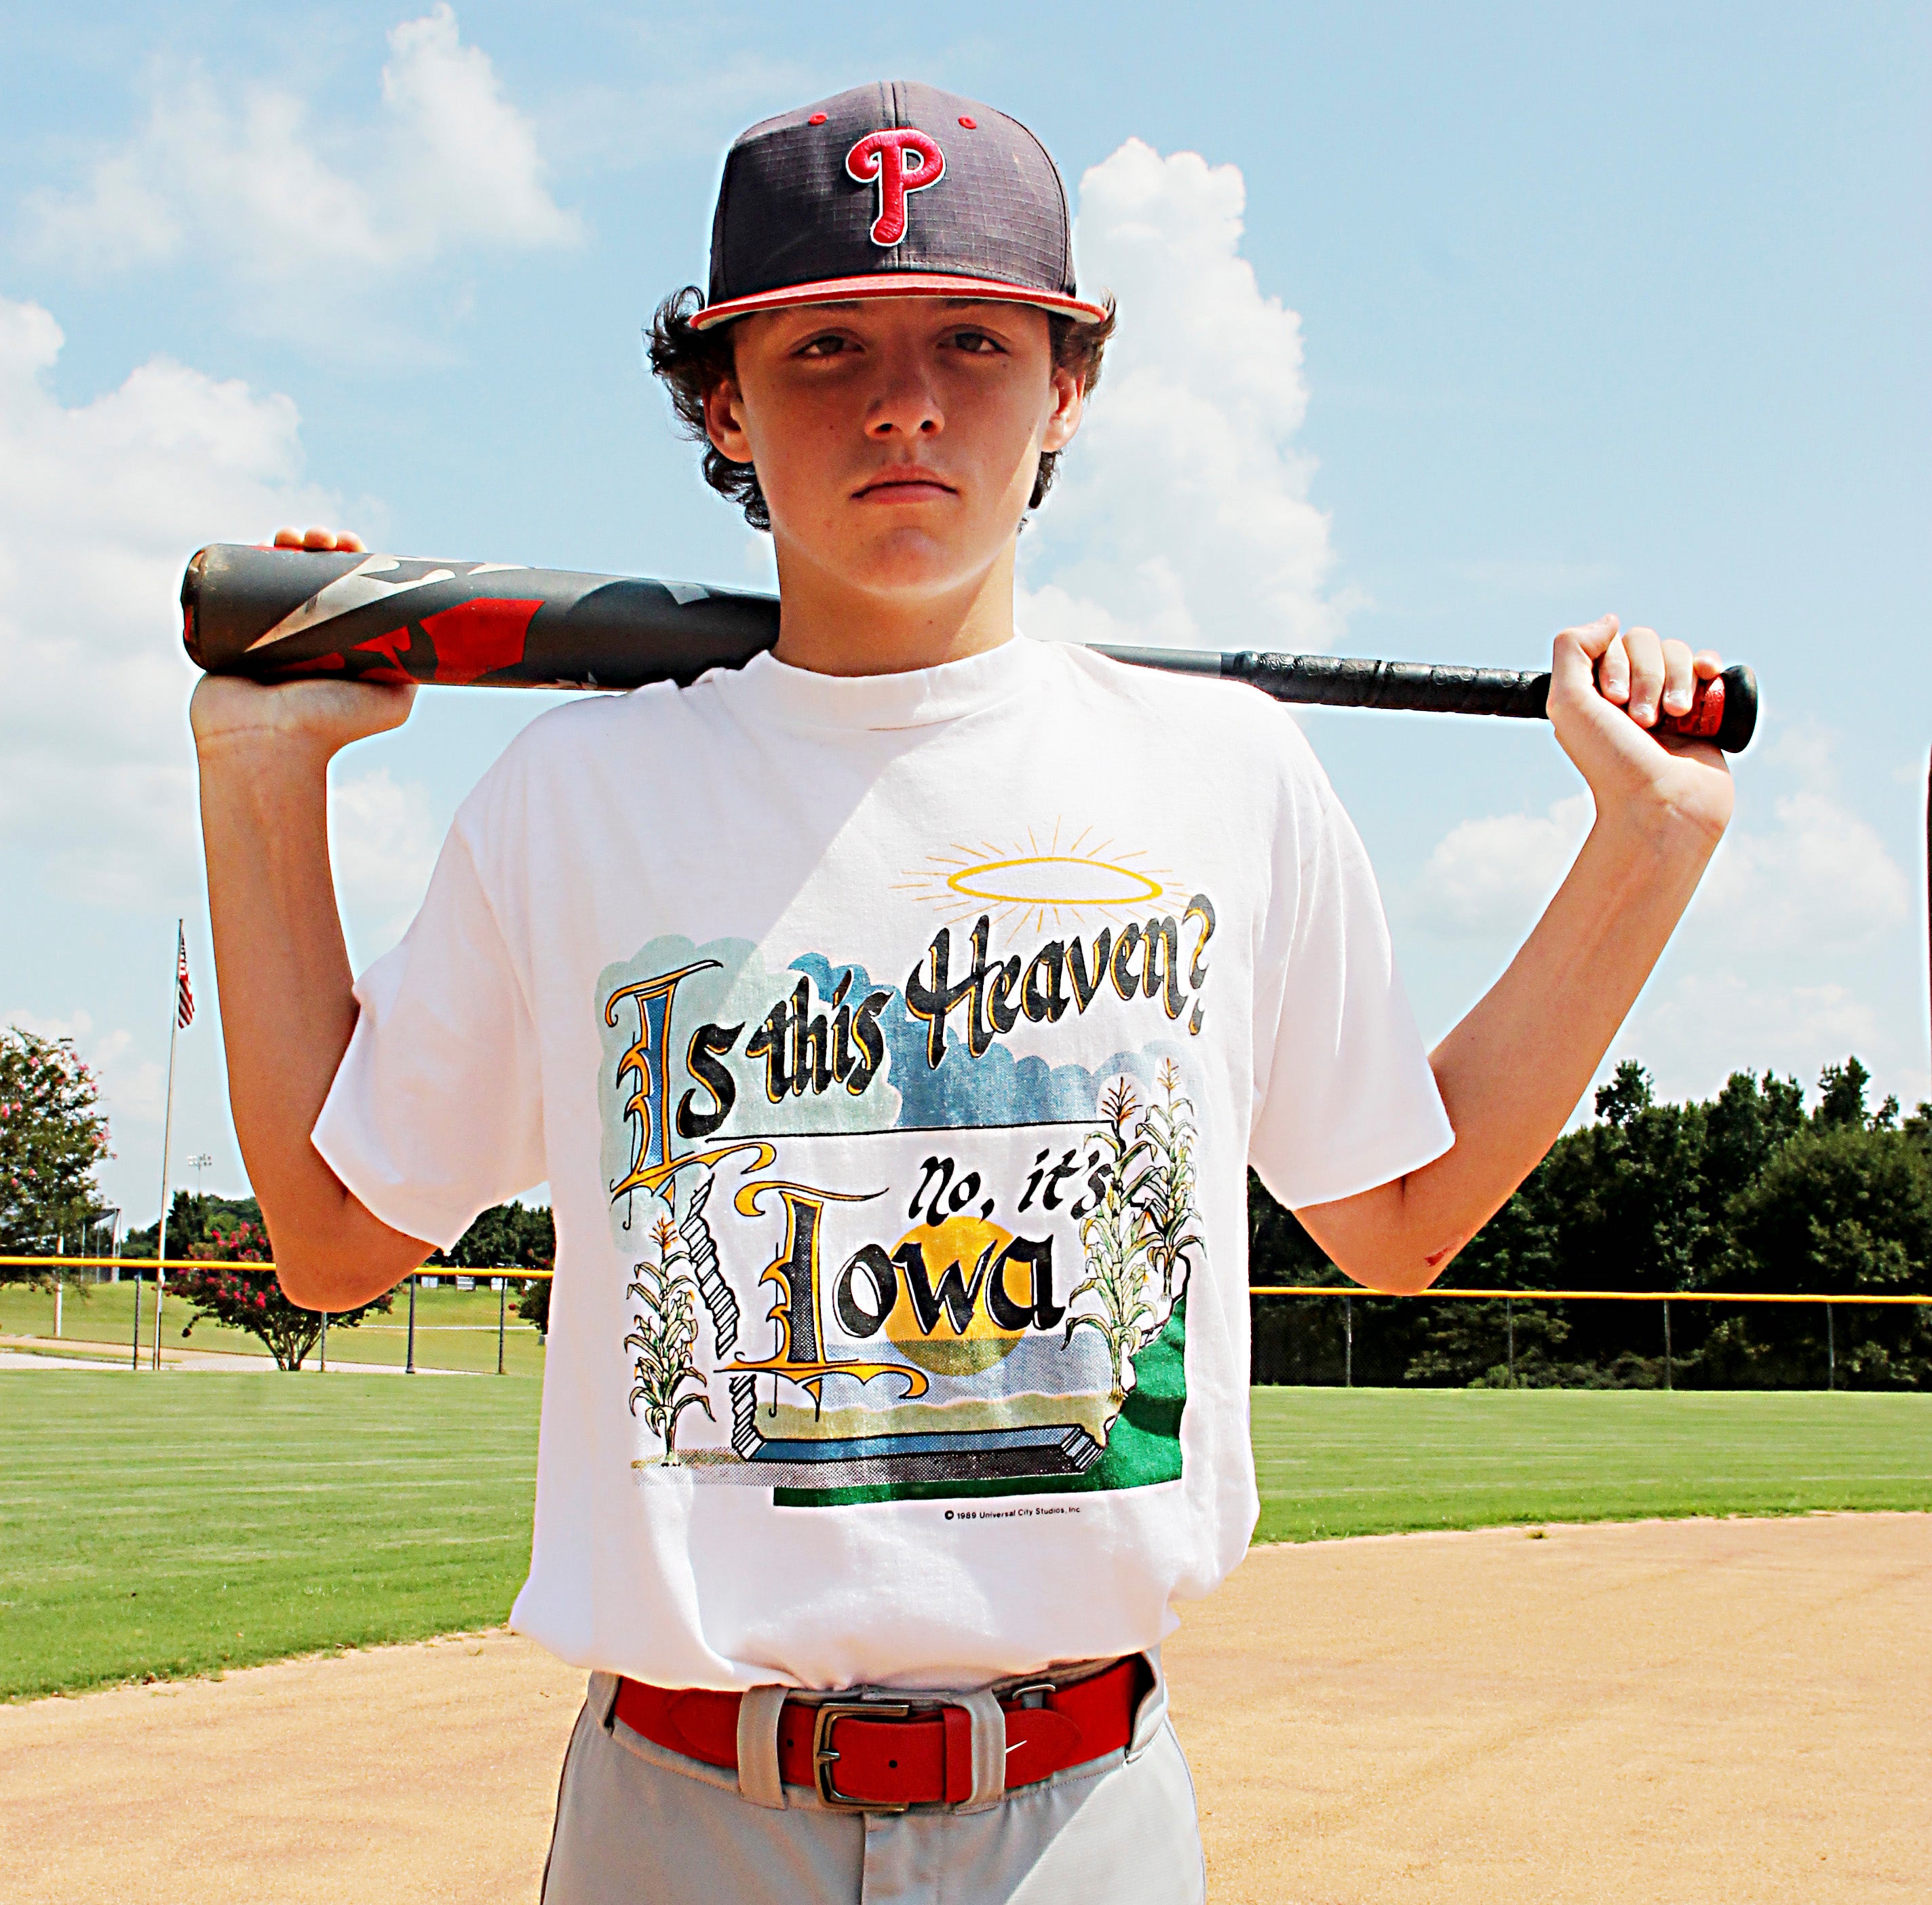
1070,405
724,420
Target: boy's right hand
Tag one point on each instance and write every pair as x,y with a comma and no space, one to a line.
325,541
320,714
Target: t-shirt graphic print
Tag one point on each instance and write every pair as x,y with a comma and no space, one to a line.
873,1255
893,1051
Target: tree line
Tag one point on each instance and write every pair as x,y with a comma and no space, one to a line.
53,1134
1748,1191
227,1237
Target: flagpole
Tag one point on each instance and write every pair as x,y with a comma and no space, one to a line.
167,1131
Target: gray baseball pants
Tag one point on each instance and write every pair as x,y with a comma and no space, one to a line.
639,1824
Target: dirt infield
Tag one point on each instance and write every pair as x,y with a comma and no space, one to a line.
1684,1712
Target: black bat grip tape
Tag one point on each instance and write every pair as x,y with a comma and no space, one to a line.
1340,682
1343,682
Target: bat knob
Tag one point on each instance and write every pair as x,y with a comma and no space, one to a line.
1724,711
1740,720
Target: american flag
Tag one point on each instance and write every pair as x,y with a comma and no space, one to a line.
183,991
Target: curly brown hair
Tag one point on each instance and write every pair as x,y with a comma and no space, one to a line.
692,363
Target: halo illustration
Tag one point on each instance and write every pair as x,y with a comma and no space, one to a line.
1040,879
1054,880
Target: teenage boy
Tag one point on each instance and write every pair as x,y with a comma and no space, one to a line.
895,1020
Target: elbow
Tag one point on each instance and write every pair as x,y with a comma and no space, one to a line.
1404,1272
1389,1239
333,1277
304,1279
332,1255
1390,1280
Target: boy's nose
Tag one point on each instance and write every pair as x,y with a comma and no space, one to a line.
906,404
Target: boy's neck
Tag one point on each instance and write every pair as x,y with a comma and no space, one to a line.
832,626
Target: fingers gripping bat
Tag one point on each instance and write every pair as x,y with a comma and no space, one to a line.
280,614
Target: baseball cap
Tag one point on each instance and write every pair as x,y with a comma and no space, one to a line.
890,190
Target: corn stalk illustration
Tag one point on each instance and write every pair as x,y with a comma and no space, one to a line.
1114,1239
1167,1187
666,1332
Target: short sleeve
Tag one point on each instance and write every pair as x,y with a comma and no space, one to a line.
1346,1099
435,1112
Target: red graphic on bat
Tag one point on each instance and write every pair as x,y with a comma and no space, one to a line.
457,647
476,638
394,642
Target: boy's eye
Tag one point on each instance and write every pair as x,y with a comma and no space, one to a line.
831,345
976,344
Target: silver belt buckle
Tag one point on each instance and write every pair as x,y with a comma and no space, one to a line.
827,1716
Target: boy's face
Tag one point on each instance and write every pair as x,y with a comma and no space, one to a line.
896,439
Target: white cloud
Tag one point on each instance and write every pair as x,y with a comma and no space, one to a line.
1711,1022
1530,577
100,504
98,1050
1492,876
1182,515
1818,877
384,836
250,194
130,1087
1788,958
700,92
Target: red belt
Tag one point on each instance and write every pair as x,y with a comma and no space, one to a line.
880,1754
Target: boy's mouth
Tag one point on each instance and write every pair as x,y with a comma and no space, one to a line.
905,483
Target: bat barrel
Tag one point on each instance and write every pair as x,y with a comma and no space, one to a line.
280,614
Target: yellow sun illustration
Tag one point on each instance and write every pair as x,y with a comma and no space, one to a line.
957,1248
1041,880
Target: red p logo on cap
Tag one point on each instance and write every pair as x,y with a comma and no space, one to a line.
902,161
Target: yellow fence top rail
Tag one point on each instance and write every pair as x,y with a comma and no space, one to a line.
1574,1296
519,1274
202,1263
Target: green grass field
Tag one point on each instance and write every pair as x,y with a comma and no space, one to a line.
180,1525
455,1329
1338,1461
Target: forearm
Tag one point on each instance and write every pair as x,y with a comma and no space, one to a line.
1514,1069
288,1009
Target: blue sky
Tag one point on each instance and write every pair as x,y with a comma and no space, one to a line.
1464,323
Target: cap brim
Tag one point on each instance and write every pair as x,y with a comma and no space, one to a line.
898,284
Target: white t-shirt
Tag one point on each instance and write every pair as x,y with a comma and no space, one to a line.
895,1049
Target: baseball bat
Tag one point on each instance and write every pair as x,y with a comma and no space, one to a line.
279,614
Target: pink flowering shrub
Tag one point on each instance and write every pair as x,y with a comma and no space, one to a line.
234,1283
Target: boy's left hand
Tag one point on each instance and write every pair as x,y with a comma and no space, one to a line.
1607,688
